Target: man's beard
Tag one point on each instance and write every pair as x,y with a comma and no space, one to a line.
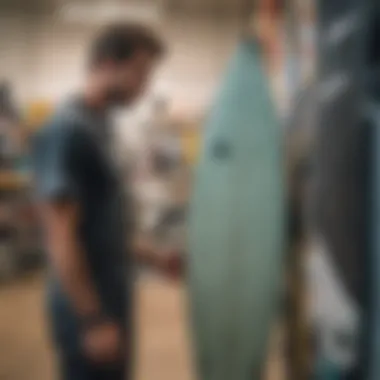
118,98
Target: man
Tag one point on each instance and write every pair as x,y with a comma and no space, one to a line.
86,219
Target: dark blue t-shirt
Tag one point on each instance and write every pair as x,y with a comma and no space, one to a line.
73,160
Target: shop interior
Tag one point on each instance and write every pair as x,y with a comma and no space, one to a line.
42,47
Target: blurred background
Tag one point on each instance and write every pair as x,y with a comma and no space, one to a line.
42,49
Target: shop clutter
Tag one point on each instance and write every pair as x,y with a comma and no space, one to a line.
20,248
162,149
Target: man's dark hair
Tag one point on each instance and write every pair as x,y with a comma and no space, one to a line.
119,42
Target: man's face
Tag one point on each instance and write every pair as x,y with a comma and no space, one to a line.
128,80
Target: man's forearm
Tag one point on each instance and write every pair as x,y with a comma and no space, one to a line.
61,220
72,268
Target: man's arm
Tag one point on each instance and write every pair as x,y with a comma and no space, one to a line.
60,219
101,337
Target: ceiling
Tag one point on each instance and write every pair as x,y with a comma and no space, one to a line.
215,8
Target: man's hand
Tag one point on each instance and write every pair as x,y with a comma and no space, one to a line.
171,264
168,262
103,343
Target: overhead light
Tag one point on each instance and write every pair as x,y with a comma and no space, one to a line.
104,12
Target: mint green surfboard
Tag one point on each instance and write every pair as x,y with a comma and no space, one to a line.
236,235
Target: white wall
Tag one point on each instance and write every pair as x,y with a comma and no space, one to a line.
44,57
14,51
199,54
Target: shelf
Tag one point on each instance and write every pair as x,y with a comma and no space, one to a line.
12,180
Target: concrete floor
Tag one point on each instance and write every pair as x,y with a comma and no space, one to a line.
163,352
